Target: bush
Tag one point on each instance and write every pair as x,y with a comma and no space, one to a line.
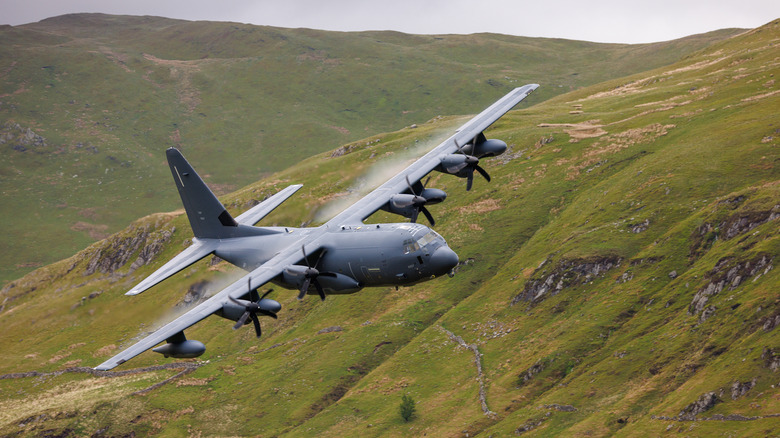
407,407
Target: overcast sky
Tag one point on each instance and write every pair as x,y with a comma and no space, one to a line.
621,21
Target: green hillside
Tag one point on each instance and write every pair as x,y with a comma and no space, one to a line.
88,102
617,279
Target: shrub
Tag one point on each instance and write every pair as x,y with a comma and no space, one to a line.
407,407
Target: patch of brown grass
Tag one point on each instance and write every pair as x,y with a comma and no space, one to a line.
481,207
94,231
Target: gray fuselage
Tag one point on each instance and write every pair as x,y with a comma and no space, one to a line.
371,255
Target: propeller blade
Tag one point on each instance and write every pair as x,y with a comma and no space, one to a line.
255,321
304,257
304,288
470,179
460,149
265,294
319,289
322,253
415,213
242,320
411,190
267,313
482,172
427,215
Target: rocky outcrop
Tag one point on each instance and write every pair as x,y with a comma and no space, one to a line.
20,139
735,225
771,358
738,389
333,329
529,374
706,402
728,273
566,273
114,252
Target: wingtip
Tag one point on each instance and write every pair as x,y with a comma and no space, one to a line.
133,292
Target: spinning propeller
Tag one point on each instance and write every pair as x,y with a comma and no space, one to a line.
310,277
253,308
470,165
417,202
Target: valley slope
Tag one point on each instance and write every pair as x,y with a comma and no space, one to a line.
89,102
617,279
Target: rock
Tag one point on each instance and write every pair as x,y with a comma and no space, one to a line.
771,322
707,313
115,251
561,408
673,275
335,328
706,402
529,374
771,358
738,389
566,273
640,227
733,277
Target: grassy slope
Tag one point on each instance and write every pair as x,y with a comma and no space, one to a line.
675,150
110,93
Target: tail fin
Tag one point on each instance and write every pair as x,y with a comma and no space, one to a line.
208,217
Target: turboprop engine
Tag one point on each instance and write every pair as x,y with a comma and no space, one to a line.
466,161
410,205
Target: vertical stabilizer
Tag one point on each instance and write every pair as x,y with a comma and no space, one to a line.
208,217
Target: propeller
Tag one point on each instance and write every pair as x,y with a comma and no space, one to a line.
310,277
418,202
470,165
252,309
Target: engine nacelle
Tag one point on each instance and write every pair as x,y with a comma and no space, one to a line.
454,164
233,311
182,350
294,277
433,196
401,205
489,148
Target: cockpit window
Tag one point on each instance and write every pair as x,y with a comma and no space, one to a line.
410,246
426,239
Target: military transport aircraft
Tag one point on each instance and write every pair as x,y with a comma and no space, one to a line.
341,256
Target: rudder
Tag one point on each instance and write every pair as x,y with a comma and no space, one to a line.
208,217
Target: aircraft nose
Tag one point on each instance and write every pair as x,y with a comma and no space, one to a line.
443,260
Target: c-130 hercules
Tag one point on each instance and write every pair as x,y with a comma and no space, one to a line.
341,256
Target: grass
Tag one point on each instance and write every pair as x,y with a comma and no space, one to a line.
619,347
110,93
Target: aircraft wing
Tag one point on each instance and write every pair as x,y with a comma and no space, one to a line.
369,204
259,211
354,214
200,248
258,277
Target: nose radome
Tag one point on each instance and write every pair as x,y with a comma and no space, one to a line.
443,260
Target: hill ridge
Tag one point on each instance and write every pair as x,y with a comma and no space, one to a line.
108,93
650,330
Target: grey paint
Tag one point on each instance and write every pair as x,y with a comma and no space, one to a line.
347,253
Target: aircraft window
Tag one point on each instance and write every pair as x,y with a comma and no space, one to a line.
410,246
426,239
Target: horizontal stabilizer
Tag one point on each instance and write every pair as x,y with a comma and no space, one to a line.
261,210
200,248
